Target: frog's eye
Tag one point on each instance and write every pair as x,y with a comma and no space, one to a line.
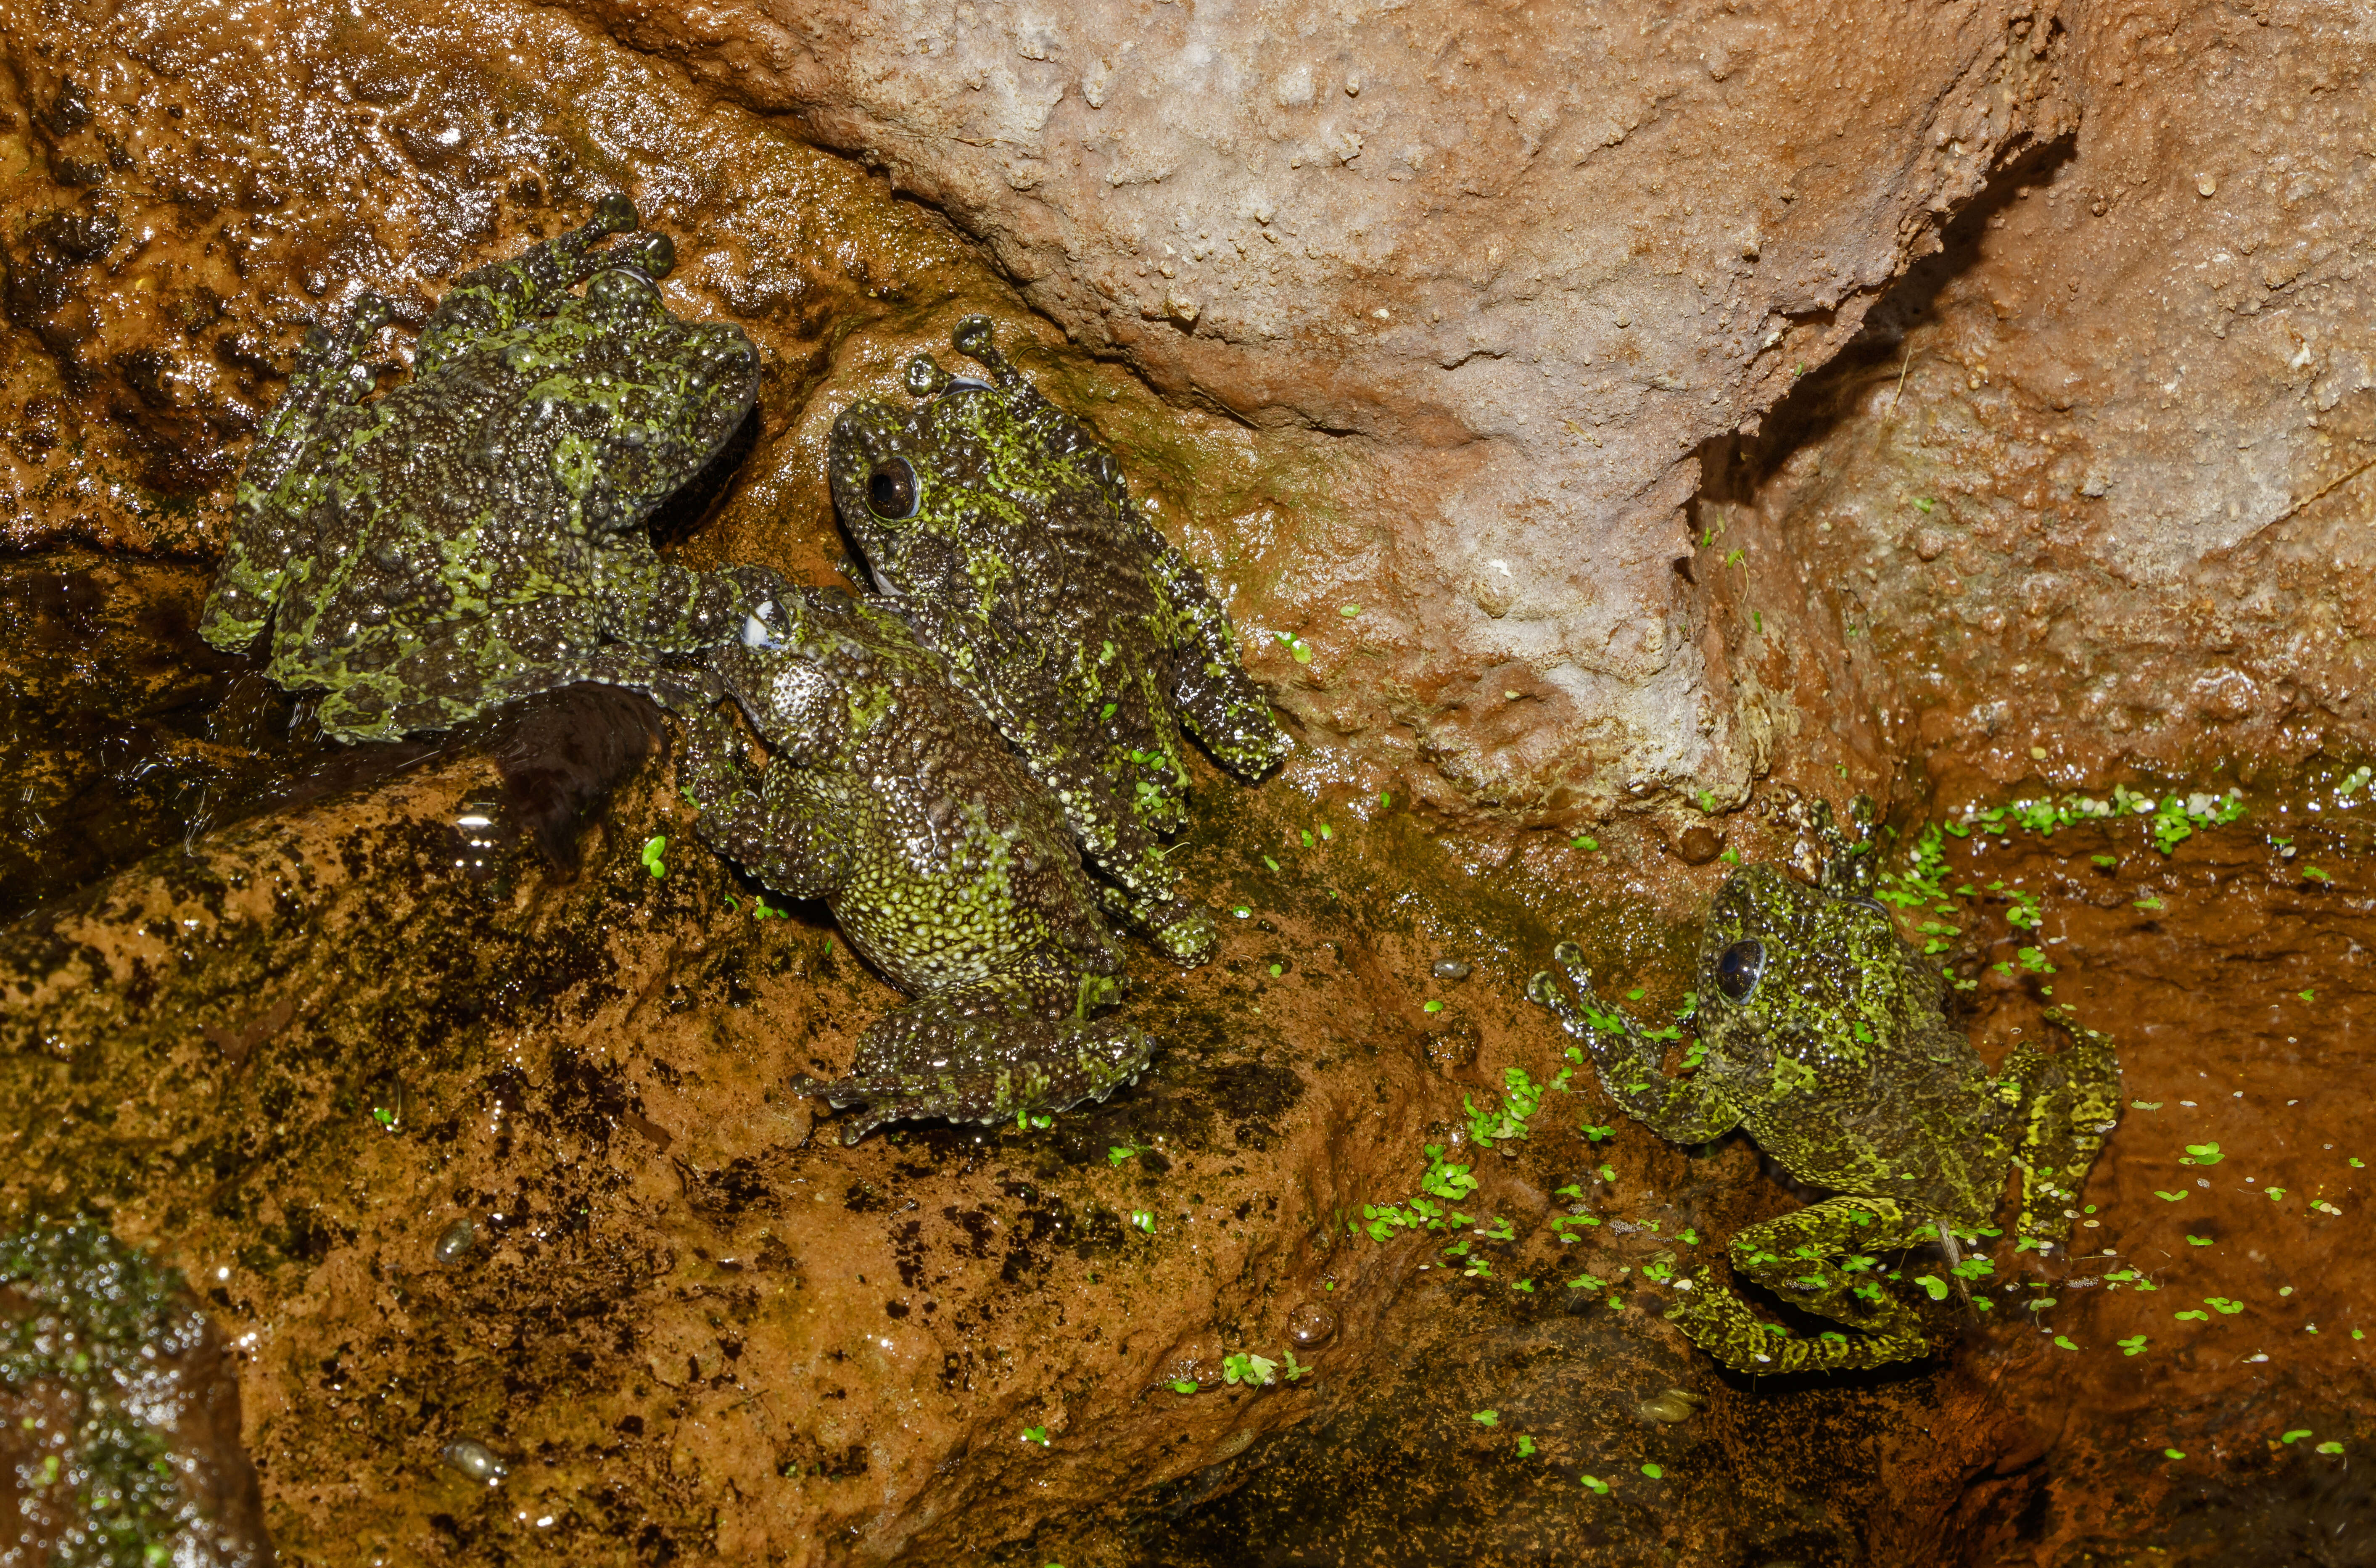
1737,966
891,489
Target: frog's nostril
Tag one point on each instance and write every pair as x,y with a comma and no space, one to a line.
891,489
1738,967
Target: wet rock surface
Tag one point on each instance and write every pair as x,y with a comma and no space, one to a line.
470,1127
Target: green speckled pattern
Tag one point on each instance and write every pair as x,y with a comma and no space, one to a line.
476,535
1086,635
1841,1062
890,796
99,1348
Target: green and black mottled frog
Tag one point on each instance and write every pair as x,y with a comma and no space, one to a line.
1008,536
1826,1038
477,534
890,796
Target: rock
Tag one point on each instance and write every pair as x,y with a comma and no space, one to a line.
2131,564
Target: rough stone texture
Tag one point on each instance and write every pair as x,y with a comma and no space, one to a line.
1498,272
2094,492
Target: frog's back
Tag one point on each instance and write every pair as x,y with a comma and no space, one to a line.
971,866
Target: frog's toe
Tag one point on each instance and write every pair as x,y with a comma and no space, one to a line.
1189,940
615,213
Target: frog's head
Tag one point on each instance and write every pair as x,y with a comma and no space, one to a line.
1806,972
646,401
944,497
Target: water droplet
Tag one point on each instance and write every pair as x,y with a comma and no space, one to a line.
456,1243
1310,1325
475,1460
1448,969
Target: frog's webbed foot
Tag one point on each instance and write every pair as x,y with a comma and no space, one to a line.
984,1054
1211,688
1682,1109
1851,867
1184,932
2070,1103
495,297
1824,1259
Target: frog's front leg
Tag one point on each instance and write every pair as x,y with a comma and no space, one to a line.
278,488
984,1053
1824,1259
781,832
2069,1102
1211,688
498,296
1685,1110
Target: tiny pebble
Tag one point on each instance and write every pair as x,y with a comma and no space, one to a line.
1449,969
456,1243
475,1460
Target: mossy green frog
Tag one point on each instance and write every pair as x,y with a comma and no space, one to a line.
476,534
1827,1039
890,796
1007,532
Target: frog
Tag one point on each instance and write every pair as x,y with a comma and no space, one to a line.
1828,1039
888,794
477,534
1007,533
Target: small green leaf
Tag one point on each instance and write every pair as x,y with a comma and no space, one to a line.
1182,1385
1035,1434
1433,1004
2062,1344
2146,1104
1595,1484
1932,1286
2168,1197
1583,841
2315,875
1526,1446
2172,1454
1652,1471
2330,1447
2198,1240
1349,610
2296,1436
1486,1418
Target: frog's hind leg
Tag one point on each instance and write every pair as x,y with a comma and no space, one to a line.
2072,1102
516,651
1211,688
1824,1259
495,297
275,489
987,1051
